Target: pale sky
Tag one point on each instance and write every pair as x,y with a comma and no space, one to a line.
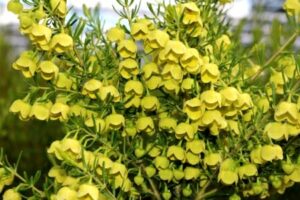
238,9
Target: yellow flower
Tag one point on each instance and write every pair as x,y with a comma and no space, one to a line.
104,162
49,70
295,175
244,102
172,71
211,99
71,146
139,30
214,120
230,96
91,88
61,43
146,125
41,35
133,88
11,194
278,79
287,64
153,82
54,148
193,108
128,68
119,169
157,39
59,7
132,102
233,126
178,174
58,173
22,108
171,86
196,29
167,124
66,193
228,177
223,42
187,85
115,34
212,159
210,73
191,61
191,13
127,49
196,146
287,111
276,131
176,153
26,22
59,111
109,92
191,173
173,51
263,104
292,7
247,170
185,130
150,69
88,191
153,150
77,110
165,174
41,110
191,158
150,103
26,64
161,162
271,152
115,121
14,6
255,156
63,81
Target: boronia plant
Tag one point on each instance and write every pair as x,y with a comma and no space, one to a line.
158,107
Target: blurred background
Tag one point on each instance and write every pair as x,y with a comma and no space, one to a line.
254,21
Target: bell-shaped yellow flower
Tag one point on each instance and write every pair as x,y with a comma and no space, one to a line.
210,73
228,177
165,174
173,51
26,22
167,124
212,159
295,175
58,173
230,96
271,152
191,158
193,108
276,131
109,92
187,85
127,49
185,130
150,69
172,71
292,7
191,61
14,6
115,34
176,153
191,13
66,193
139,30
244,102
196,29
196,146
88,191
211,99
115,121
104,162
128,68
278,80
153,82
171,86
191,173
41,110
223,42
263,104
59,111
153,151
161,162
247,170
55,148
132,102
178,174
214,120
91,88
61,43
40,35
78,110
287,111
63,81
59,7
22,108
98,123
146,125
26,64
287,64
49,70
11,194
72,146
134,88
157,39
255,156
150,103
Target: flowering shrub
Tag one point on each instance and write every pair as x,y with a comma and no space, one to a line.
158,107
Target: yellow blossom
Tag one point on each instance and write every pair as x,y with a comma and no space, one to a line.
255,156
14,6
193,108
230,96
214,120
72,146
88,191
271,152
191,158
149,70
41,110
59,7
191,173
109,91
22,108
263,104
173,51
132,101
157,39
167,124
150,103
287,64
171,86
187,85
244,102
292,7
26,64
191,61
223,42
212,159
59,111
41,35
55,148
26,22
127,49
185,130
66,193
139,30
228,177
175,153
63,81
115,121
287,111
172,71
276,131
196,146
277,79
61,43
191,13
247,170
165,174
48,70
146,125
91,88
133,88
11,194
115,34
128,68
210,73
153,82
98,123
161,162
211,99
